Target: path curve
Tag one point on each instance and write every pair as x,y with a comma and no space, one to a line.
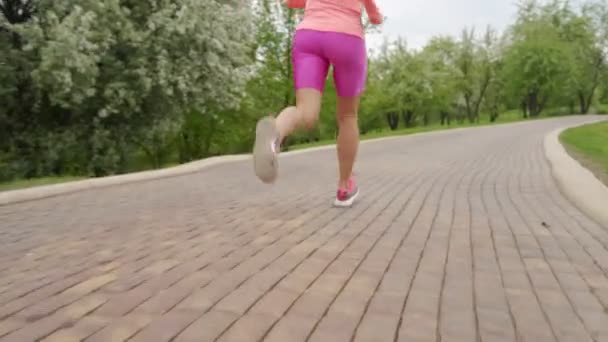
462,236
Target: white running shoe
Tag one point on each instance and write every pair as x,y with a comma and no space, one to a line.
266,149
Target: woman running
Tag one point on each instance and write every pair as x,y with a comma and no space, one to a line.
331,33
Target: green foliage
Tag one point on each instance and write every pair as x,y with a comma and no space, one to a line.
120,74
557,56
91,88
403,84
537,64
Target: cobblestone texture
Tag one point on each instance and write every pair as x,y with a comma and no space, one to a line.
461,236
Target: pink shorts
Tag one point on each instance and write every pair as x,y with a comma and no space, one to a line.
314,51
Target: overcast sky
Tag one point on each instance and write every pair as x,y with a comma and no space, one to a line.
419,20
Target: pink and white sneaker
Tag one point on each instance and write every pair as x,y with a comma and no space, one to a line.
345,197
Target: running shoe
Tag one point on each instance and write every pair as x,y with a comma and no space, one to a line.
265,150
345,197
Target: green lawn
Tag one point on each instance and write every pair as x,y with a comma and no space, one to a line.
28,183
589,144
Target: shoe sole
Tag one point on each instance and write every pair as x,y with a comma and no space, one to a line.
348,203
264,160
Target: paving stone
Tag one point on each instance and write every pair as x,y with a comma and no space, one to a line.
446,242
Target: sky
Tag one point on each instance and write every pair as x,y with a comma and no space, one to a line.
419,20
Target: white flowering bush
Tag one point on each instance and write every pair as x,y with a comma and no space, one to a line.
112,70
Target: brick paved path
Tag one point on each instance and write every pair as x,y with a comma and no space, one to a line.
457,237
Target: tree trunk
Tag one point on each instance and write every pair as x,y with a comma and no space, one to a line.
408,117
393,120
445,118
494,113
482,92
467,100
183,143
208,139
533,104
524,108
589,100
585,101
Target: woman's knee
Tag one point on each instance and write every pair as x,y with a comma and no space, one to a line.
309,107
348,120
347,110
310,118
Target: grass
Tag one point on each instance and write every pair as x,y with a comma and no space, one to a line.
28,183
600,109
589,145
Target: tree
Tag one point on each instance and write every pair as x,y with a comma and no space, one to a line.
440,54
109,86
401,77
538,62
475,69
101,66
596,15
583,35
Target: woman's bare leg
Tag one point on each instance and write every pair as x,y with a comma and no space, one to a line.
271,132
305,113
348,137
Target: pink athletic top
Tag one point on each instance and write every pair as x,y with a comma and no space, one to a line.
342,16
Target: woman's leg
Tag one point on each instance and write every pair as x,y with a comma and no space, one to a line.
270,132
348,55
304,114
348,137
310,72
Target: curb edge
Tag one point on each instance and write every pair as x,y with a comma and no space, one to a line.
576,182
